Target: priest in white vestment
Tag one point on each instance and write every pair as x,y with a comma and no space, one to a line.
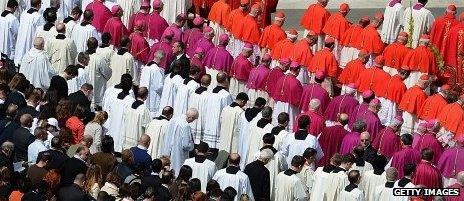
156,129
338,178
257,131
280,131
71,20
385,192
199,100
351,192
83,31
179,141
218,99
136,116
359,164
99,72
297,143
117,121
202,168
307,173
373,178
185,90
230,124
406,181
290,186
152,77
171,84
421,20
232,176
61,50
82,74
9,26
48,30
36,67
172,8
122,62
249,117
392,21
31,20
106,49
321,178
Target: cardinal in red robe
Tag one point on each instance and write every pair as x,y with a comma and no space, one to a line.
390,95
426,173
101,14
156,23
218,16
441,27
317,120
314,20
115,27
454,53
373,78
234,27
139,46
285,47
406,156
451,117
164,45
388,140
302,52
331,139
268,7
325,61
434,104
371,40
352,70
234,4
395,53
336,26
411,103
273,33
352,41
420,60
250,32
142,14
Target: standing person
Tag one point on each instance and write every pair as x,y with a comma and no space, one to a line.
352,41
164,45
315,91
151,77
417,20
393,21
426,173
142,14
371,118
450,162
375,177
240,70
385,192
234,25
9,24
373,78
59,83
157,23
157,131
352,139
250,32
47,31
72,20
345,103
314,20
185,90
338,178
122,62
353,68
273,33
259,175
204,42
317,120
74,166
335,27
99,72
290,186
101,12
351,191
232,176
36,67
173,8
139,48
30,20
172,81
137,116
199,100
331,139
202,168
411,103
218,18
439,32
372,42
95,130
37,146
326,62
434,104
130,7
178,50
179,141
192,35
420,60
454,45
406,156
177,27
459,185
84,31
395,53
230,124
257,129
115,26
284,47
218,59
61,49
105,49
388,140
452,121
257,78
390,97
321,177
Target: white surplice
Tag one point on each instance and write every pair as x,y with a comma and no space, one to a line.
62,53
392,23
256,140
152,77
181,100
106,52
239,181
244,137
383,193
108,100
170,86
47,35
178,142
203,171
173,8
292,147
99,74
117,121
230,128
76,83
29,23
216,102
337,181
136,120
362,169
370,181
307,178
402,198
280,138
37,69
121,64
422,23
291,110
199,100
9,26
289,188
80,34
353,195
388,111
320,184
156,129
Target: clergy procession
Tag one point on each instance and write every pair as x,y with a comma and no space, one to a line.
215,100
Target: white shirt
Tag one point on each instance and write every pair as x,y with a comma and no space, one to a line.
34,149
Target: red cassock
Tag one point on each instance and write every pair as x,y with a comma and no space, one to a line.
394,55
156,26
271,35
440,30
387,142
413,99
336,26
394,89
302,53
351,72
116,28
241,68
421,59
428,175
140,48
352,37
324,61
288,89
317,122
451,117
432,106
269,85
234,4
406,156
372,79
101,14
219,12
269,6
250,31
330,141
234,23
454,54
371,40
282,49
136,17
315,18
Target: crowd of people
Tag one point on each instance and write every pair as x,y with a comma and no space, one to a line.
212,100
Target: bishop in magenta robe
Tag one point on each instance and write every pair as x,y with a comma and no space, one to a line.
315,91
176,28
257,79
139,46
427,174
164,45
240,71
407,155
317,120
370,117
276,73
451,163
331,139
429,140
191,36
101,14
342,104
205,42
157,24
143,14
388,141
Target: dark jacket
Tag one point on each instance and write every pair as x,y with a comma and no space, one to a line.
72,193
6,161
22,138
369,153
70,169
14,97
142,158
260,182
185,63
59,84
28,110
7,127
150,181
79,98
58,159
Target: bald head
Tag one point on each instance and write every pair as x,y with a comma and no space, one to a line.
234,159
26,120
391,174
221,78
192,115
61,28
167,112
39,43
343,118
205,80
365,135
145,140
314,104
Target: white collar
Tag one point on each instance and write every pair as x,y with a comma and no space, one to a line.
179,56
142,147
78,157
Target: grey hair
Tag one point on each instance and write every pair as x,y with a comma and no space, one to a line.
7,145
359,125
267,112
39,130
192,112
460,177
391,174
159,54
266,154
314,104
